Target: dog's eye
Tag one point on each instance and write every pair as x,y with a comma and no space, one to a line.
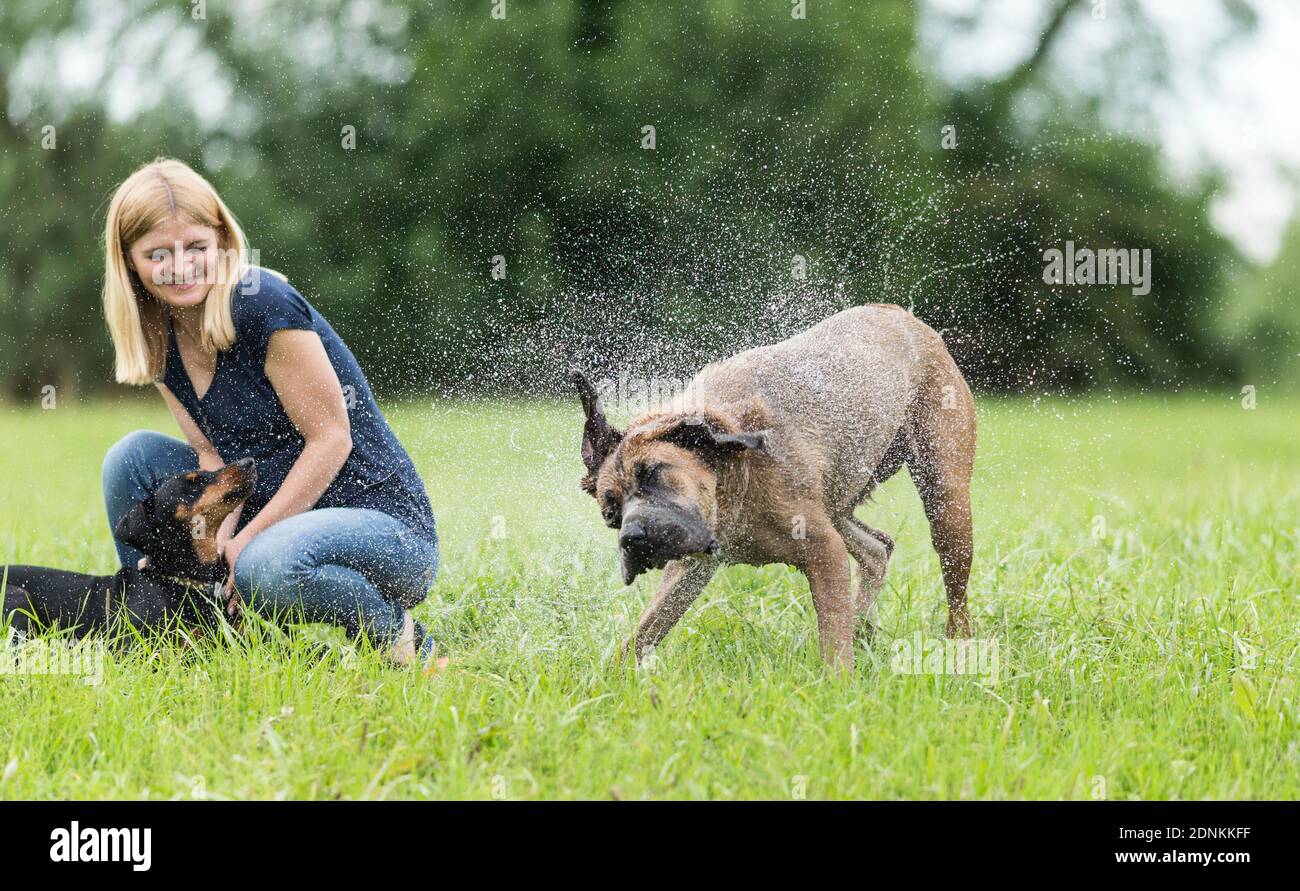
613,514
647,474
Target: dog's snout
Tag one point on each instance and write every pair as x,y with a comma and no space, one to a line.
632,534
652,535
238,477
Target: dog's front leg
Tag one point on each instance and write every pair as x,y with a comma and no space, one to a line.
682,582
827,569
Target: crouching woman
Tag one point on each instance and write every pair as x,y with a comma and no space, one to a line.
339,528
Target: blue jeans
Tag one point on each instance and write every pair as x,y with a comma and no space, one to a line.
356,568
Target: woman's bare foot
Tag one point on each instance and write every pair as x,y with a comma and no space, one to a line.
403,651
408,652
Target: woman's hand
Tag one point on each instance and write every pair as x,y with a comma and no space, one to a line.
229,547
227,529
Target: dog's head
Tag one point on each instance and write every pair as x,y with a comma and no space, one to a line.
176,526
657,482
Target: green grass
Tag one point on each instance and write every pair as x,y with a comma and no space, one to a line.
1158,660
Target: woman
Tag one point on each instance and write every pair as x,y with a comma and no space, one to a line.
339,528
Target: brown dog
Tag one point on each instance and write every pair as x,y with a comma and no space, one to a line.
765,455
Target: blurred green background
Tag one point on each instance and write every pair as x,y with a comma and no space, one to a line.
776,138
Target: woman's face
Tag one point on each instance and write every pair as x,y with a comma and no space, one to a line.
176,262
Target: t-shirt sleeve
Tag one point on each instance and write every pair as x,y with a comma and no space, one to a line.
266,304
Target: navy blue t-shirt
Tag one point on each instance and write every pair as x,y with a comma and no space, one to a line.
243,418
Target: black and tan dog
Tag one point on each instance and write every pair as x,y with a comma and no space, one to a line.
176,527
764,457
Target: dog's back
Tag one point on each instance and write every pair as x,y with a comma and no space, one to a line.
839,393
37,597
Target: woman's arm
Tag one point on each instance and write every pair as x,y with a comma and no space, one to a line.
304,380
208,457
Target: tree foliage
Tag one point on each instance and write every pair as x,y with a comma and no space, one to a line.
777,141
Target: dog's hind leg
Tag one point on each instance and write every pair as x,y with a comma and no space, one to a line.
943,458
870,549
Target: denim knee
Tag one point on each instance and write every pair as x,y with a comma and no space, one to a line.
127,455
268,572
285,585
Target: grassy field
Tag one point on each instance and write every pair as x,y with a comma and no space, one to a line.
1135,568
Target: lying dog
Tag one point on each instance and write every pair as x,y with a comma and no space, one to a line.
176,528
765,456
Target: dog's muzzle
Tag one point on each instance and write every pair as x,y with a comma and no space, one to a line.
241,478
646,544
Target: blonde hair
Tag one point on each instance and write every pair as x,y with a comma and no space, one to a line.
157,193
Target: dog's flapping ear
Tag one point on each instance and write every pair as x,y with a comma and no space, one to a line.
137,527
598,437
699,433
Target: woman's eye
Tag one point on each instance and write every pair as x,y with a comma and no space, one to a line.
196,249
159,256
